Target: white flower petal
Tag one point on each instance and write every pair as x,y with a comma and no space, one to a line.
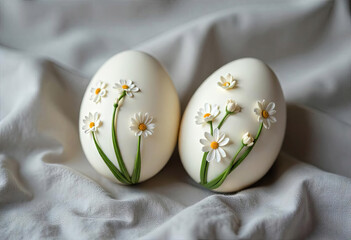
270,106
204,142
149,121
272,119
148,132
135,89
223,80
216,134
206,148
221,137
103,92
138,117
142,117
266,124
257,111
134,121
146,118
209,137
222,152
232,84
224,142
260,104
218,156
96,116
211,155
271,112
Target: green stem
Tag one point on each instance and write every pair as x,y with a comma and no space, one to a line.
223,119
215,183
137,165
115,141
204,163
241,159
109,164
204,169
248,150
220,179
259,132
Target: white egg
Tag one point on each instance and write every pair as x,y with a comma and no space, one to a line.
151,91
255,82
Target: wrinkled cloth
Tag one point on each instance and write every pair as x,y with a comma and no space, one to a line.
49,50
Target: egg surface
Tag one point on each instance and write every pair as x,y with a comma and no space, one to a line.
130,111
244,103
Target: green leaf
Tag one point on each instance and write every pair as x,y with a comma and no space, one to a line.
116,147
110,165
137,165
204,169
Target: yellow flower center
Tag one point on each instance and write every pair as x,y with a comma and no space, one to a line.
142,127
265,114
207,115
97,91
226,84
92,124
214,145
125,86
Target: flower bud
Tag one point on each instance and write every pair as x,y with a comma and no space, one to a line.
247,139
232,106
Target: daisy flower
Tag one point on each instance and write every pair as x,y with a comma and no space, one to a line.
213,145
206,114
265,113
126,86
247,139
98,92
91,123
142,124
227,82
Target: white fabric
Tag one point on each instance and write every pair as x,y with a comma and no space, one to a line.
49,51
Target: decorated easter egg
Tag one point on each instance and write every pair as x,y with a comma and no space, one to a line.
233,126
129,118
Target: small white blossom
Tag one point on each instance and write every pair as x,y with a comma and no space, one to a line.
91,123
206,114
142,124
265,113
98,92
227,82
247,139
213,145
126,86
